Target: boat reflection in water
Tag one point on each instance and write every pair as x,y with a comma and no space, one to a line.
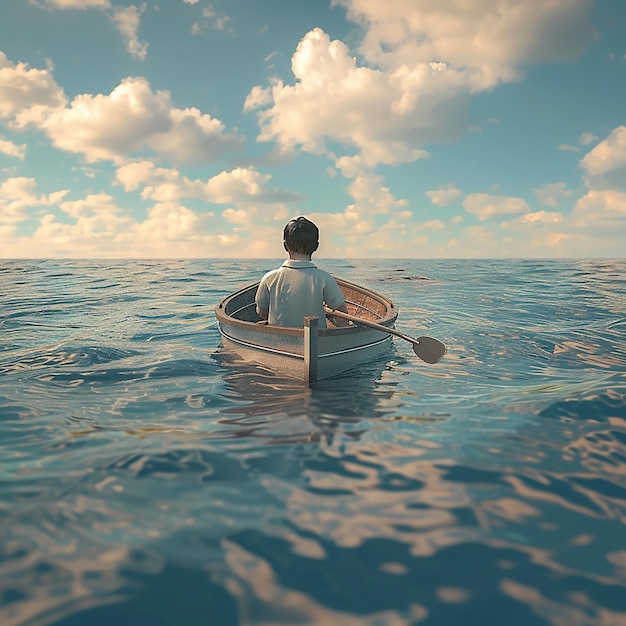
264,404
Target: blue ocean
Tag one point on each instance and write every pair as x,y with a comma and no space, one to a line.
150,478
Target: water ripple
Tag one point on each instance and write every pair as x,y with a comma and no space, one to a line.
147,476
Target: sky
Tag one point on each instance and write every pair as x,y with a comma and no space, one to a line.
403,128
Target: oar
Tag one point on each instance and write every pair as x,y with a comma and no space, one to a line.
427,348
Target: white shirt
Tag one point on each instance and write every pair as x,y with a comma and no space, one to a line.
297,289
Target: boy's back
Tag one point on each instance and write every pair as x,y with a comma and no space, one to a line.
296,289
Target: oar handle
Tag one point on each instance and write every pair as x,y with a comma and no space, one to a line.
364,322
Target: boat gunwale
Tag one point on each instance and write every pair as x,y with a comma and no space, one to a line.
223,318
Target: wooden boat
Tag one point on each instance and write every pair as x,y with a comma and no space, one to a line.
309,353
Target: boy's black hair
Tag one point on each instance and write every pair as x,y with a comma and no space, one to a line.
301,236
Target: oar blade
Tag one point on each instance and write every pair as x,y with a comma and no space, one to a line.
429,349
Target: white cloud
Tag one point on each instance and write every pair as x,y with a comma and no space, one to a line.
127,21
11,149
239,186
213,20
97,225
144,173
371,197
422,63
97,219
385,116
599,215
191,1
605,164
131,119
551,195
167,222
565,147
24,88
21,192
491,38
368,190
220,21
485,206
194,137
77,4
257,98
586,138
602,211
445,196
432,225
533,220
108,126
18,195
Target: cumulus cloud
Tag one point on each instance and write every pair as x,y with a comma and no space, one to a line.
485,206
97,222
445,196
98,225
423,60
11,149
491,38
536,219
23,88
566,147
257,98
167,222
97,217
371,198
18,195
602,211
368,190
552,194
420,63
194,137
129,120
385,116
21,192
107,126
605,164
241,185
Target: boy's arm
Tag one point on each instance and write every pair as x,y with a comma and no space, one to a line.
339,321
262,301
334,294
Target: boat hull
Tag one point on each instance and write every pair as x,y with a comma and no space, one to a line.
286,351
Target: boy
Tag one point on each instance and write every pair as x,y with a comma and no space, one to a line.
298,287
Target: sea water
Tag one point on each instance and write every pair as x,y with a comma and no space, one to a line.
147,477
